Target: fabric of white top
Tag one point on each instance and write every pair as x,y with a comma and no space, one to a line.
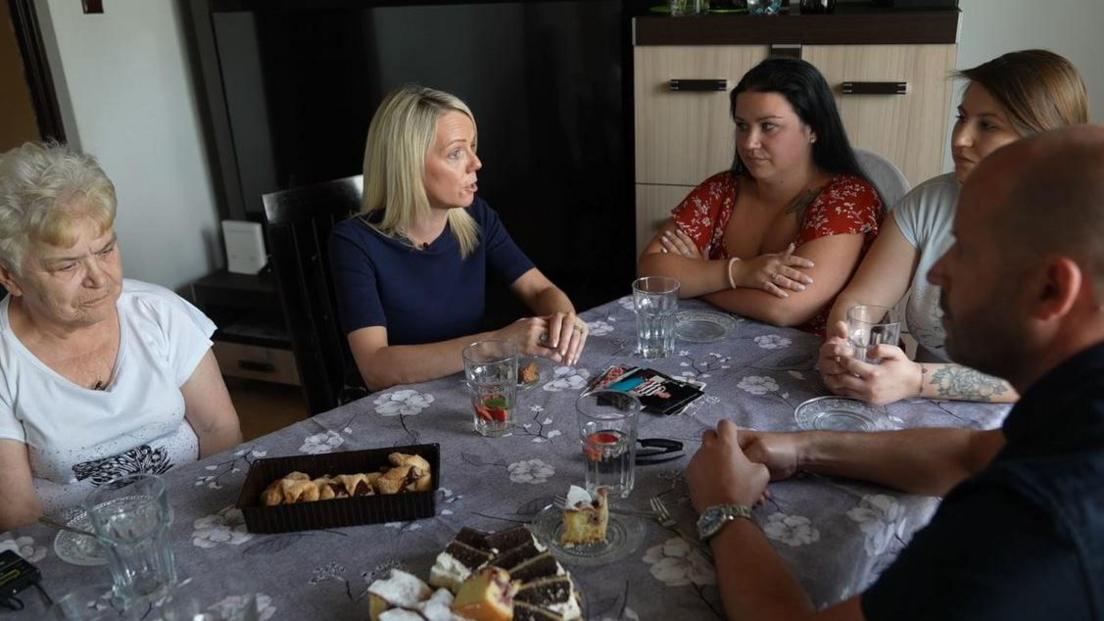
926,219
884,174
78,437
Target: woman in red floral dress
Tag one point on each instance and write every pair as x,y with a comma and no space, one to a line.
777,237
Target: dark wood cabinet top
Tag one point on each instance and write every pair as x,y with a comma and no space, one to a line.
840,28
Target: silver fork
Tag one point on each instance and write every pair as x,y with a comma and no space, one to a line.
666,520
661,513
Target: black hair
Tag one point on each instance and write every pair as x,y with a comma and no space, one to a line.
808,93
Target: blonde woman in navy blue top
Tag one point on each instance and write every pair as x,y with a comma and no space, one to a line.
410,270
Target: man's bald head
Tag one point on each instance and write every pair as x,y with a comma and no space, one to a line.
1047,197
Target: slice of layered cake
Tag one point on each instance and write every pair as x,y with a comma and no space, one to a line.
585,518
555,595
456,563
519,559
399,590
488,595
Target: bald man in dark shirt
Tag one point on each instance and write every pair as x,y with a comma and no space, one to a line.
1020,532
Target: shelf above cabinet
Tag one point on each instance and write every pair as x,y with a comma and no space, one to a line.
852,28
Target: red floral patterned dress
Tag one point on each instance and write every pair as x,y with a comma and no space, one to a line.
847,205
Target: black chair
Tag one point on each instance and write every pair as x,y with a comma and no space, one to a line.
299,221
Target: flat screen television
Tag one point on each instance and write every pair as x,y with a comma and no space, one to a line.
291,87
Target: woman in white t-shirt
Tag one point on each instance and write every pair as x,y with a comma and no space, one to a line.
1008,98
99,376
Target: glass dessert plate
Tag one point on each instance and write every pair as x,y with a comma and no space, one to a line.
79,549
703,326
623,536
843,414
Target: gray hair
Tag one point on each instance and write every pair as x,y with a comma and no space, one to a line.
44,190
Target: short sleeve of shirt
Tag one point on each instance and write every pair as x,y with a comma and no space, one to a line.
504,258
927,210
10,427
988,554
354,278
704,213
848,206
186,342
202,321
907,215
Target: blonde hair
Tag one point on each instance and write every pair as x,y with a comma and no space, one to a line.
45,189
1040,90
399,137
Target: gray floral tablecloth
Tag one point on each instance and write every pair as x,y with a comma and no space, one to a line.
836,535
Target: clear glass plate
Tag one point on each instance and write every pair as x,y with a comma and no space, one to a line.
623,536
843,414
697,326
79,549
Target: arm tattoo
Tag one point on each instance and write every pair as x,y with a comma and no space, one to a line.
958,382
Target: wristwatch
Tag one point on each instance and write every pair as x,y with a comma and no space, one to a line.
715,517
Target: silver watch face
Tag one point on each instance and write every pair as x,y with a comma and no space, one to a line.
710,521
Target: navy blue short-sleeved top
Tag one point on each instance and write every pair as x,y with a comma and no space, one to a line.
420,295
1024,539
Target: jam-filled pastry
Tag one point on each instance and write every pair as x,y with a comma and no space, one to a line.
488,595
356,484
400,478
296,491
425,478
402,459
529,373
274,493
326,488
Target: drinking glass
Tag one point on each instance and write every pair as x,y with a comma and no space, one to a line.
131,516
688,7
607,428
868,326
491,371
817,6
764,7
655,299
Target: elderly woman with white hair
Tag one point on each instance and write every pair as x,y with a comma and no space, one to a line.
410,270
102,376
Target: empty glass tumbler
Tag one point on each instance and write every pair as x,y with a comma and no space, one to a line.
131,516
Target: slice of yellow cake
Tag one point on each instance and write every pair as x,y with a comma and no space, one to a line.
585,519
488,595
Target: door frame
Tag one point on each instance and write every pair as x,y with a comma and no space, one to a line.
40,80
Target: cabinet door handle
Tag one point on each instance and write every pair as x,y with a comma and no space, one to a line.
698,85
260,367
875,88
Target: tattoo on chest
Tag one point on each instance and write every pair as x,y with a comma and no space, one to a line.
802,202
954,381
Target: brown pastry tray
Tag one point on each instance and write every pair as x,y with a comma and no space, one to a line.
337,512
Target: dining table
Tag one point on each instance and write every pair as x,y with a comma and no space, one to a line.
835,535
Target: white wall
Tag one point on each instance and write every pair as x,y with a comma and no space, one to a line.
132,104
1067,27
